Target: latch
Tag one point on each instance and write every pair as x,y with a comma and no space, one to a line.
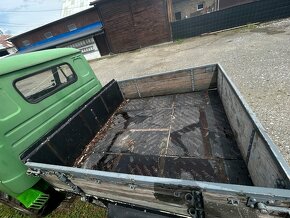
62,177
266,206
195,202
233,201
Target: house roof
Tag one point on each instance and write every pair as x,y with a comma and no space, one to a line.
4,43
21,61
53,22
97,2
64,37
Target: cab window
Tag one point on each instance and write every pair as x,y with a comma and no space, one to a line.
36,87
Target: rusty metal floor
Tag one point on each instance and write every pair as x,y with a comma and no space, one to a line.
183,136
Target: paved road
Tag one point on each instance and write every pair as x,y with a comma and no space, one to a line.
257,58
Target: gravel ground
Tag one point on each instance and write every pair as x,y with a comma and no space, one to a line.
257,58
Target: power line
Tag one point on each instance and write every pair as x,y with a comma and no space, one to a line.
15,24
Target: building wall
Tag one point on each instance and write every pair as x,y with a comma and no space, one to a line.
86,45
132,24
188,8
230,3
70,7
58,27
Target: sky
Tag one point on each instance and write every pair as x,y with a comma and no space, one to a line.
18,16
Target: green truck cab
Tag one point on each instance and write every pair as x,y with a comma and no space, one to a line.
37,91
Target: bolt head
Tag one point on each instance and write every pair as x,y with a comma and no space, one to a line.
263,211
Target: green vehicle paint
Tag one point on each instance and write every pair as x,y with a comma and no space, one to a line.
22,123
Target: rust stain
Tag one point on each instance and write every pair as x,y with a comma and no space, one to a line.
205,133
99,136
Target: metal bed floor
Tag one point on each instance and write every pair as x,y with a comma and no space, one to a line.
184,136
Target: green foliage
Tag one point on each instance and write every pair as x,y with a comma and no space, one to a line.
8,212
76,209
178,41
251,26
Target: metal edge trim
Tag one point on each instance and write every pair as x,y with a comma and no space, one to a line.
148,180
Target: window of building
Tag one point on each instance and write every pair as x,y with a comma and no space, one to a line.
199,6
26,42
178,16
87,49
37,87
81,43
71,27
48,35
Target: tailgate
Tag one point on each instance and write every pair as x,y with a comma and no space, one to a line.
175,196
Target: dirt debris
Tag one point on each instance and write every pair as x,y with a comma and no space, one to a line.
256,59
99,136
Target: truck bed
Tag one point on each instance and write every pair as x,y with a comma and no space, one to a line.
183,136
160,141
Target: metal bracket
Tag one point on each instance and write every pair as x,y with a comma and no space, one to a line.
265,209
34,172
267,206
62,177
233,201
192,79
132,186
280,183
253,201
195,201
137,88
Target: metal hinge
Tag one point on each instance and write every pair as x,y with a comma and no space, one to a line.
62,177
195,202
266,209
267,206
33,172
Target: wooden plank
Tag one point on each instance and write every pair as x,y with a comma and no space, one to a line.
263,167
220,78
239,120
164,85
171,83
204,79
161,84
129,89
